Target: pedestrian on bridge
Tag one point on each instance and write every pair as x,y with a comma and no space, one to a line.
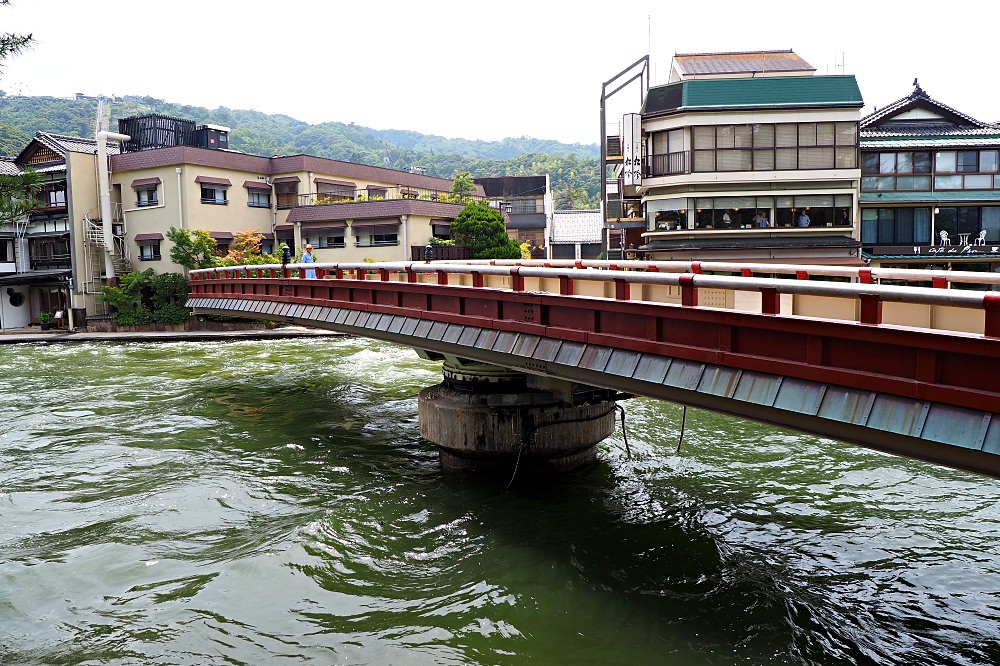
307,258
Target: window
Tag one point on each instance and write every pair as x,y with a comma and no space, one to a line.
287,194
146,197
896,226
327,193
878,171
377,192
258,198
523,205
375,236
968,160
149,251
326,238
211,194
54,196
783,146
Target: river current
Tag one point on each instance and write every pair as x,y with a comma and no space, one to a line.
272,502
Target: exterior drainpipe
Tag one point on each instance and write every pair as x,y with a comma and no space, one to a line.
406,244
104,185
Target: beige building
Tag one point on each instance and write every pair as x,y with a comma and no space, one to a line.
171,173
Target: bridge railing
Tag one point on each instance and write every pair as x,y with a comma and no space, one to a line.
689,284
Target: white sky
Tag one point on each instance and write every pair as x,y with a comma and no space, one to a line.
479,70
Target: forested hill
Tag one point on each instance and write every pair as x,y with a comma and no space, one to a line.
573,168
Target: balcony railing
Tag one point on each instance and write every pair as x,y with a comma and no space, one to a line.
671,164
381,194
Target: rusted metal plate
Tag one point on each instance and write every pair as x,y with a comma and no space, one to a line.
526,345
758,388
570,353
847,405
800,396
596,358
546,350
622,363
956,426
684,374
651,368
900,415
721,381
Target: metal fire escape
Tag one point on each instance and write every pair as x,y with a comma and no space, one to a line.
96,251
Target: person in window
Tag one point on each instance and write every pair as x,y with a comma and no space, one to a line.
845,221
307,258
762,221
726,220
804,220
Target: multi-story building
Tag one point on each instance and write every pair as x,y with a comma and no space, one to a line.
930,187
526,202
745,156
171,173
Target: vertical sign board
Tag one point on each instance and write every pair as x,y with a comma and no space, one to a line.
632,148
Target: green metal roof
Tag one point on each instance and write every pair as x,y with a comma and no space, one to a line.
773,92
943,196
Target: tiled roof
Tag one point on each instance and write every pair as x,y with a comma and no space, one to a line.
8,168
754,93
512,186
63,144
944,121
577,226
935,142
745,62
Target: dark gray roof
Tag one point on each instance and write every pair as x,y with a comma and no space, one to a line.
886,124
512,186
64,144
8,167
743,62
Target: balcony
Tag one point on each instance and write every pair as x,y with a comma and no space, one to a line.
394,193
671,164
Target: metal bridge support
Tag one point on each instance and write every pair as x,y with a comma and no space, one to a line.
482,417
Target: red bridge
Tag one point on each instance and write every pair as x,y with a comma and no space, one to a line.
859,355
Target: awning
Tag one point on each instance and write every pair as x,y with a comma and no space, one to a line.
221,235
339,183
285,179
54,276
144,182
256,185
211,180
326,226
377,222
148,238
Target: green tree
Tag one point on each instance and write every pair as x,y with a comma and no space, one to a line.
11,44
482,230
18,197
463,185
192,249
169,295
126,300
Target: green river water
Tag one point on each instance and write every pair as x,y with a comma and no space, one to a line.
271,502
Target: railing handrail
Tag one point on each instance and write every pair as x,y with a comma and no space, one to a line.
690,279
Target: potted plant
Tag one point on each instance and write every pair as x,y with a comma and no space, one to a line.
45,319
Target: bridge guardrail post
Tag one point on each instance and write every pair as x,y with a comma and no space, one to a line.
770,301
477,279
689,293
442,277
623,289
871,309
516,279
565,285
939,282
991,309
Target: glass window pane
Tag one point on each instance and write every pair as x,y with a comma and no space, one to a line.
968,220
825,134
785,158
763,160
807,134
885,183
904,226
991,223
945,220
763,136
704,136
979,182
725,136
734,160
816,158
968,161
704,160
847,134
870,163
946,161
988,161
904,162
847,157
922,162
744,136
948,182
904,182
869,183
786,135
922,182
922,225
887,163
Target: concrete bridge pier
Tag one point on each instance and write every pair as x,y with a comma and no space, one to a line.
483,417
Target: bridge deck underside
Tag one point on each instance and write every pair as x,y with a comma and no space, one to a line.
920,416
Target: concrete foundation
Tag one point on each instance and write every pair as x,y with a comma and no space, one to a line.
532,430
